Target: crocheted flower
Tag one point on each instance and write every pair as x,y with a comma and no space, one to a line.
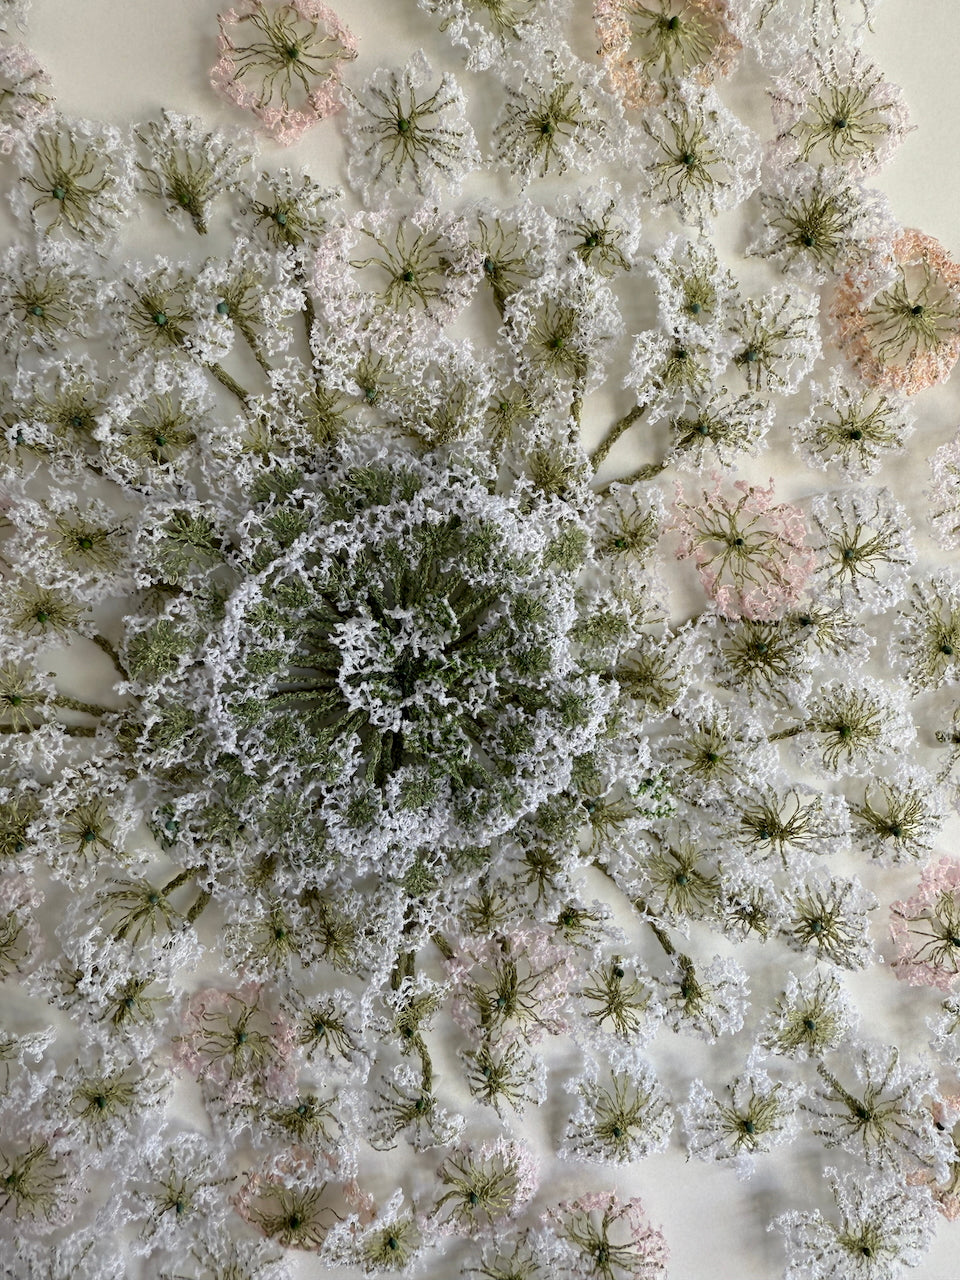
696,156
905,337
819,222
406,130
835,108
611,1237
281,60
852,425
882,1227
494,32
556,116
394,630
648,44
749,551
926,929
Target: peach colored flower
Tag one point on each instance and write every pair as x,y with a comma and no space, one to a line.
647,42
906,337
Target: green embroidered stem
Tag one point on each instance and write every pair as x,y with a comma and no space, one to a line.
199,906
646,472
226,380
72,730
251,340
309,311
426,1065
576,401
614,433
181,878
443,946
74,704
403,968
659,932
309,314
641,907
786,733
103,643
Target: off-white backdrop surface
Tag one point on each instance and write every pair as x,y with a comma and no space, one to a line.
122,60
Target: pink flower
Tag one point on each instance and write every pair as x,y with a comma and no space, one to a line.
926,929
511,987
230,1039
282,62
642,49
946,1194
749,553
611,1237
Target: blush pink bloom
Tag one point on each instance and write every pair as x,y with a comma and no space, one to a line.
926,929
282,62
229,1039
642,50
512,985
600,1223
946,1194
750,551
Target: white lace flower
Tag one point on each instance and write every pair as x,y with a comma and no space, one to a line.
404,130
883,1226
753,1115
696,155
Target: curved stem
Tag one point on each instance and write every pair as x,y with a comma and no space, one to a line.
200,905
181,878
251,340
103,643
442,945
640,905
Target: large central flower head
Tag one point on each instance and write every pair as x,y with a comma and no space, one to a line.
396,654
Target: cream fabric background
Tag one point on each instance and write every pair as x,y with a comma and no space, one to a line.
121,60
